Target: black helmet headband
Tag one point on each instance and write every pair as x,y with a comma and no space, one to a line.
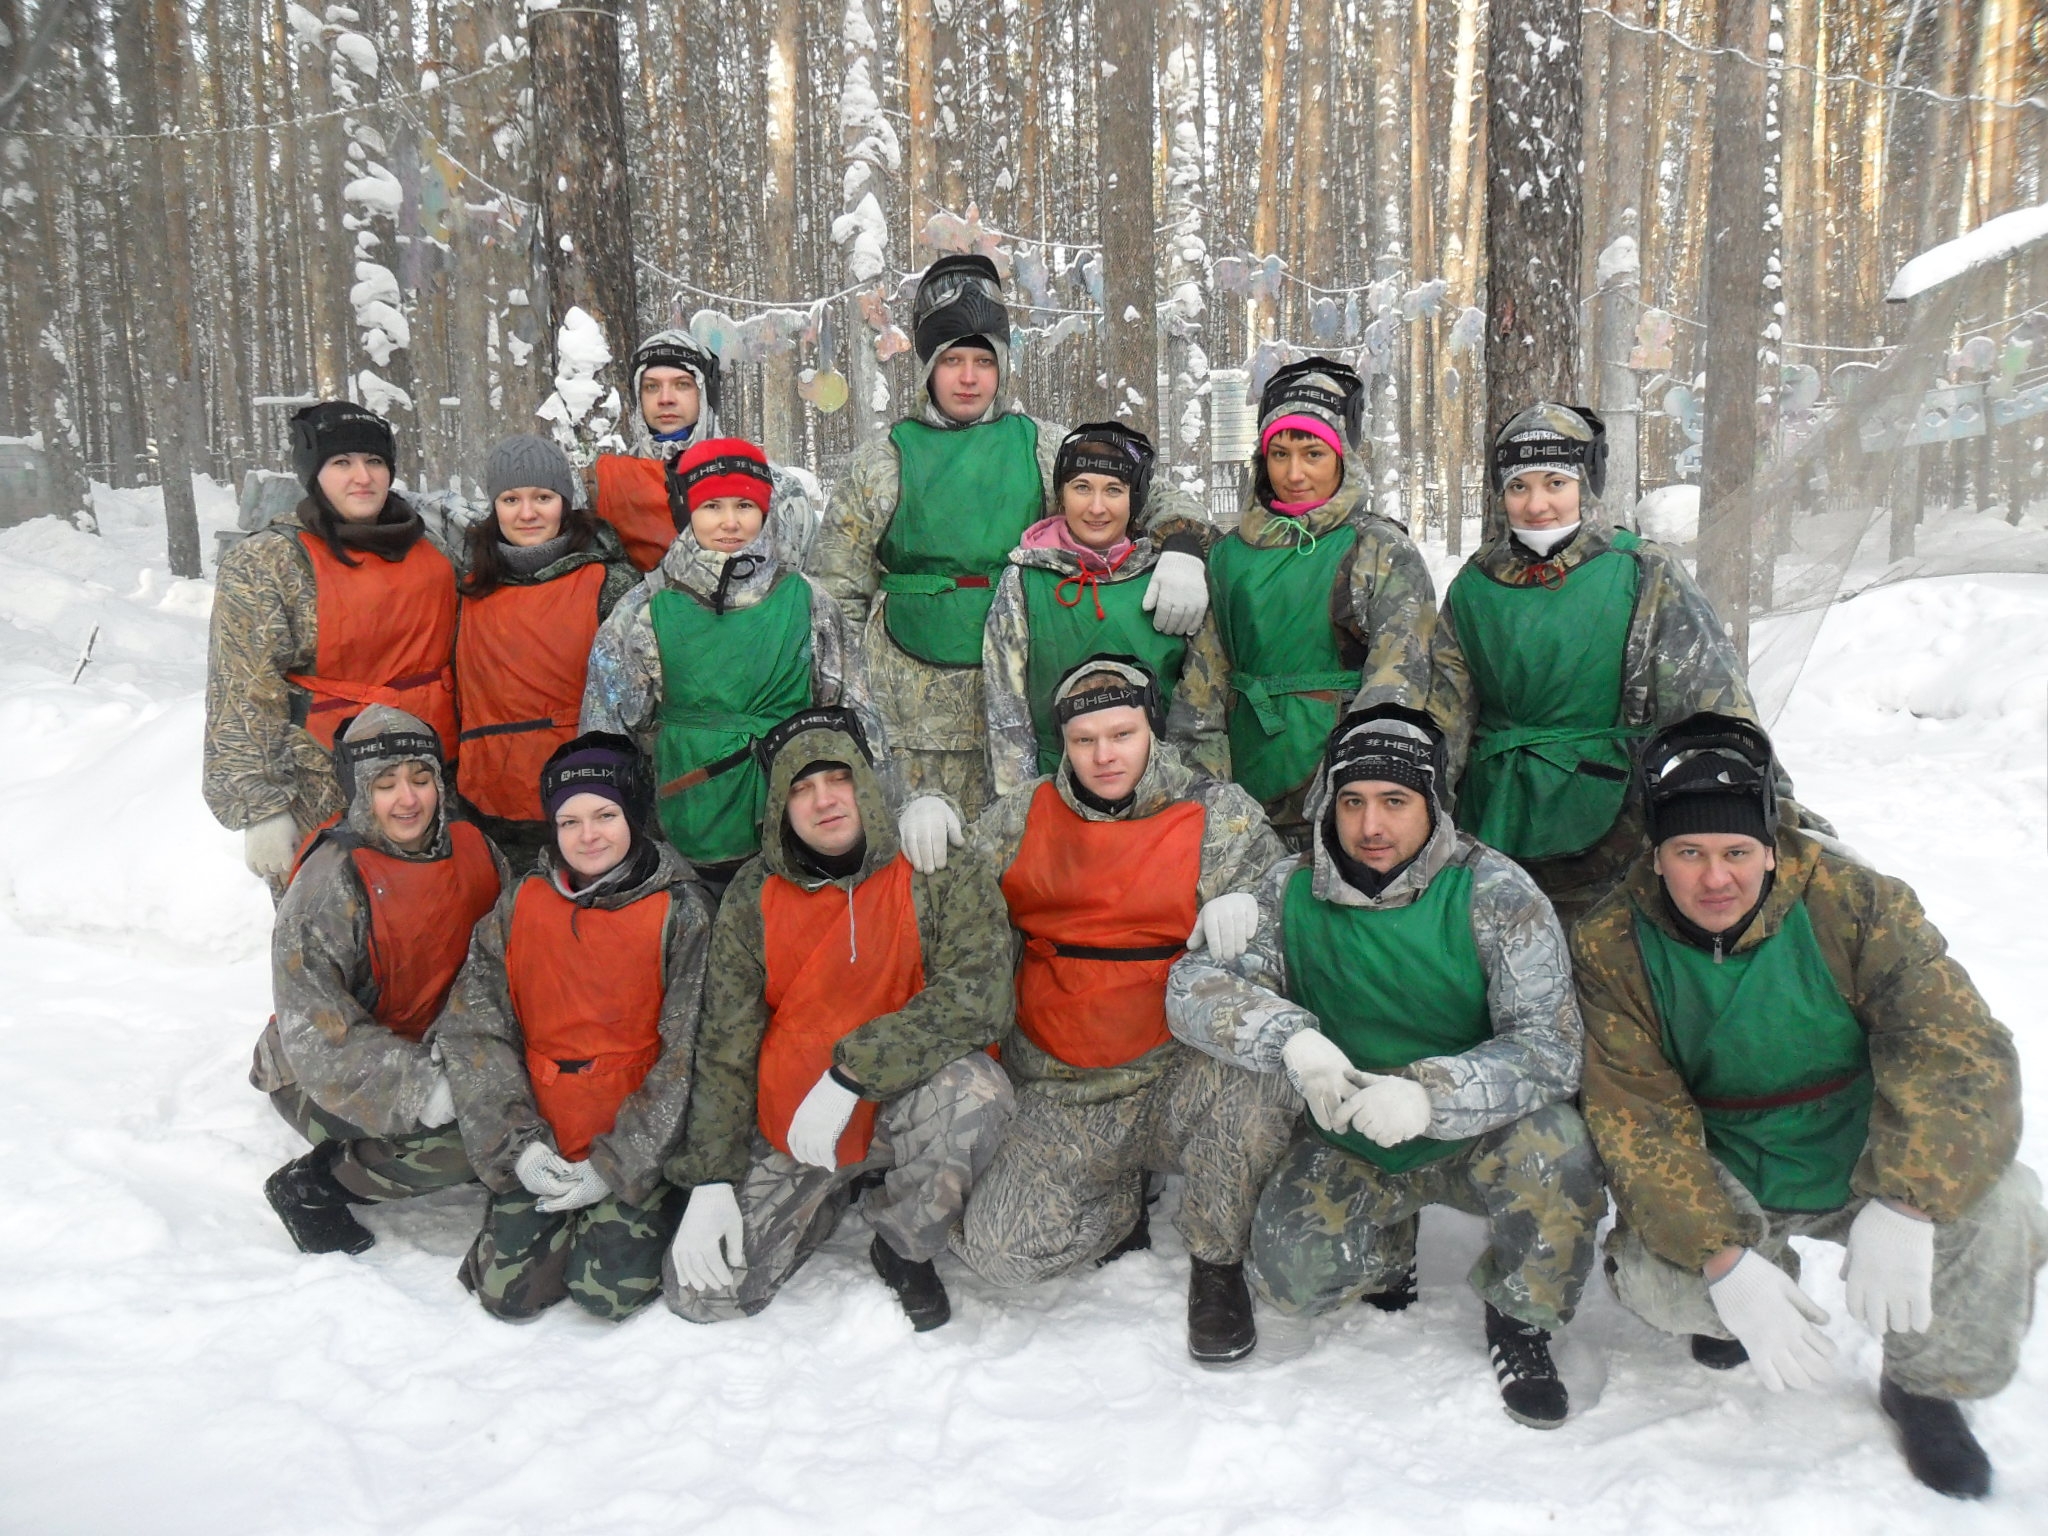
1108,448
821,717
399,746
673,350
1125,695
1296,385
1573,437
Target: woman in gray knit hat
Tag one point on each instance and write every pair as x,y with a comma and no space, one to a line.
540,574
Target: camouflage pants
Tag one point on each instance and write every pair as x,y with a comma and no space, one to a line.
374,1168
605,1257
1984,1266
929,1146
1321,1236
1069,1181
963,775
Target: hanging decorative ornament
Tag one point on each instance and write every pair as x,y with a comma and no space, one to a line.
1426,299
1326,320
1272,272
1467,332
1382,296
717,332
891,343
826,390
1230,274
1655,333
945,231
1033,278
1351,317
874,308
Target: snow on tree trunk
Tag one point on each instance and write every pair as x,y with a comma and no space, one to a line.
1183,434
1125,119
871,156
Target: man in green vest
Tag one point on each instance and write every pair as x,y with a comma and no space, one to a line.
917,533
1412,984
1779,1046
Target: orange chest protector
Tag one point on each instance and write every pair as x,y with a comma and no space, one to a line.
834,962
386,636
1105,908
632,495
421,913
587,988
520,658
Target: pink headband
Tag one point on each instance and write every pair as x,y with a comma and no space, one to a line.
1314,426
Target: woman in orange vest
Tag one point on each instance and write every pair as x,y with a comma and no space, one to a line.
344,604
540,575
368,941
569,1043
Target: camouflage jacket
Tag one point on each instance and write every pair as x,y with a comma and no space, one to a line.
964,1005
484,1051
1945,1122
1240,1010
1194,722
325,1036
1237,846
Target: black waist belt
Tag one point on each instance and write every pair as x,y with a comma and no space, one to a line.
708,772
1149,952
546,722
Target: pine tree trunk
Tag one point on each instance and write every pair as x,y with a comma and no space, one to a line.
1272,87
1124,118
781,412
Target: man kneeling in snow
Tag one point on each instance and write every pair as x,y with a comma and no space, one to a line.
848,1008
1413,984
1779,1046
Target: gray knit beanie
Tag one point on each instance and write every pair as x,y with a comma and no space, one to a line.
528,460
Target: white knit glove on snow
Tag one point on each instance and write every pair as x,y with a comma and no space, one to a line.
586,1187
925,828
543,1170
814,1129
710,1223
1225,925
1387,1110
1890,1270
268,846
1321,1073
440,1106
1775,1321
1178,594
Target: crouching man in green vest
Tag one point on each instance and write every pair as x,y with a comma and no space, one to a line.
1779,1046
1413,985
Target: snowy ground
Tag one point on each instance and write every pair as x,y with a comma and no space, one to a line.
168,1363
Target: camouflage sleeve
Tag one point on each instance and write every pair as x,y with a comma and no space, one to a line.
483,1051
1196,718
1679,659
994,836
620,574
856,516
631,1154
1453,700
966,1004
1238,846
622,687
1005,661
718,1132
1177,515
347,1062
1945,1123
839,675
1238,1010
1393,611
1050,435
1534,1056
794,517
1643,1122
262,627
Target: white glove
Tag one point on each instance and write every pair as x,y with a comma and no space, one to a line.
814,1129
926,826
1890,1270
711,1219
1387,1110
440,1106
586,1187
1775,1321
544,1171
1178,595
1321,1073
1225,925
268,846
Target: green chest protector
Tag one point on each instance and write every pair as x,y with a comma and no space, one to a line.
1390,988
1288,681
1071,620
1549,766
964,499
1770,1052
727,679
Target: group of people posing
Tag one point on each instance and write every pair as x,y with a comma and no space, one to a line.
687,869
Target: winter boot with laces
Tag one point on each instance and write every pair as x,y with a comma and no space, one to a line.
917,1286
313,1205
1937,1441
1220,1327
1530,1388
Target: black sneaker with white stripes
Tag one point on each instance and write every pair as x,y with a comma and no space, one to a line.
1398,1296
1530,1388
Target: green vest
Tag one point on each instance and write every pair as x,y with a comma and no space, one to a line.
1550,757
1273,614
1770,1052
964,499
1065,632
727,679
1390,987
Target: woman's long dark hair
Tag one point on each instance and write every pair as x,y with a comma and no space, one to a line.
485,566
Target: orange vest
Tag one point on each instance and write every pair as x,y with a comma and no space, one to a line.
632,495
587,988
520,657
831,970
421,912
1105,908
386,636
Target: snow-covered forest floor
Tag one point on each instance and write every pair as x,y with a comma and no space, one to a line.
168,1363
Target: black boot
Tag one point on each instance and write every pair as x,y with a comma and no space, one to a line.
1529,1385
1220,1327
1938,1444
916,1284
314,1207
1399,1296
1139,1237
1718,1354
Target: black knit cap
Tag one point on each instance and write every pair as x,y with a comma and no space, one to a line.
1710,774
1387,744
334,427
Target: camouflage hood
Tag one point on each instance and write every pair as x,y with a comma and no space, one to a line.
405,732
1262,527
824,742
1166,780
640,439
